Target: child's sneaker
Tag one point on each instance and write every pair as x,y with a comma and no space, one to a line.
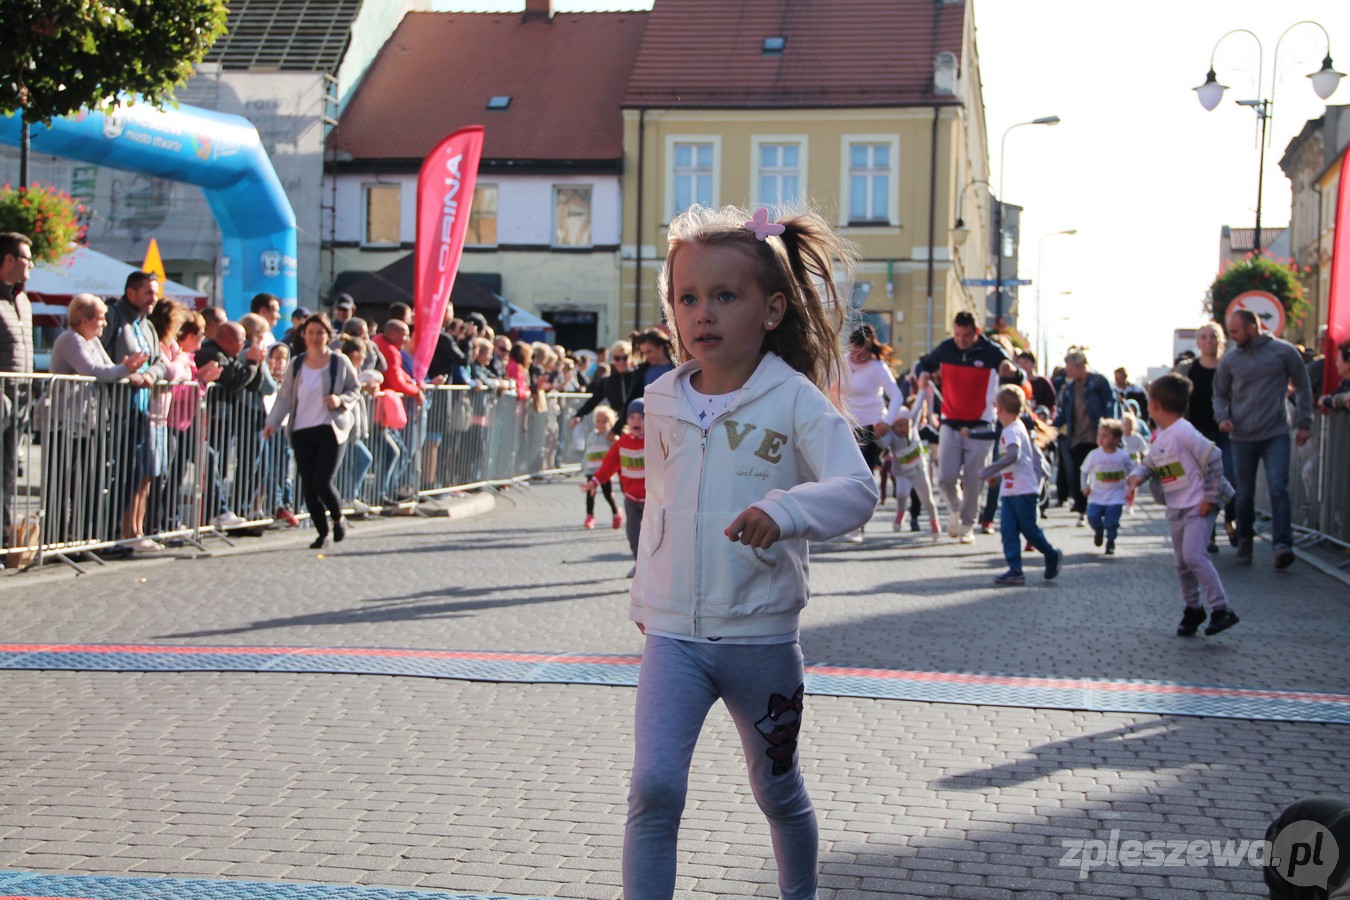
1097,535
899,523
1221,620
1052,564
1010,578
914,524
1191,620
934,526
589,523
986,528
1111,548
618,520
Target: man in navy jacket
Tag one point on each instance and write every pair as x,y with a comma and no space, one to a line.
1086,398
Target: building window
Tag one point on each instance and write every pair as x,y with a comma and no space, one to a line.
780,174
693,175
382,214
483,217
573,206
869,182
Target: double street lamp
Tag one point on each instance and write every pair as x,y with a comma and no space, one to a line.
1324,82
999,215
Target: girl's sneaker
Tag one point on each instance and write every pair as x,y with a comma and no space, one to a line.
935,527
589,523
618,520
1010,578
899,523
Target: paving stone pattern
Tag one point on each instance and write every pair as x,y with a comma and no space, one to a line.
519,789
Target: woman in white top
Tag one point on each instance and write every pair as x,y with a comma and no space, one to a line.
317,393
872,390
71,483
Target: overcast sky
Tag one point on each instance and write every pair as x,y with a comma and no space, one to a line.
1137,166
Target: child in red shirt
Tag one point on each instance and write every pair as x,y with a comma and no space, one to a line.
627,458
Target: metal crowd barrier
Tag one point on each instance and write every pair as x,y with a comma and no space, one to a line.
88,467
1319,484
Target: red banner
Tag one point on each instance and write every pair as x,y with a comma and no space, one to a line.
444,194
1338,307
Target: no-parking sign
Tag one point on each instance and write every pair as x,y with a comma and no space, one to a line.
1265,306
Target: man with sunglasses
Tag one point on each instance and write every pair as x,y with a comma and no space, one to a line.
1251,404
622,386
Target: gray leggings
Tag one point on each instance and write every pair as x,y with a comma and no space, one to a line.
761,686
632,511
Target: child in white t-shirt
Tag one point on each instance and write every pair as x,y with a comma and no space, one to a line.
1189,470
909,466
1104,473
1018,465
597,446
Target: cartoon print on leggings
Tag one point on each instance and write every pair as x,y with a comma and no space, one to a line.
779,727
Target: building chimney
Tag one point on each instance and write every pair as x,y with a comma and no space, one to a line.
539,9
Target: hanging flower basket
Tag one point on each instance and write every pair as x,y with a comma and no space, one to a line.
1258,273
48,216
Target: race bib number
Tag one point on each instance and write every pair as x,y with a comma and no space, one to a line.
1171,476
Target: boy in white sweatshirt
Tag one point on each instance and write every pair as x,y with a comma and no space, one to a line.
1189,470
1018,466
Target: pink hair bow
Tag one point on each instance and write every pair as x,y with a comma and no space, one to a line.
761,226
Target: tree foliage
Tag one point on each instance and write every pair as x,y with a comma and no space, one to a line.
58,56
1257,273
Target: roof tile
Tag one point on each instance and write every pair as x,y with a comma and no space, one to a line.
566,78
844,53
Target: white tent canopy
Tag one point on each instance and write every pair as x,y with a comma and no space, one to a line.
515,317
89,272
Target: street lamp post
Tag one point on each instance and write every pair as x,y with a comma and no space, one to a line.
998,210
1040,280
1324,82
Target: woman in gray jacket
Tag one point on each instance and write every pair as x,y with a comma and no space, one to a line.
317,393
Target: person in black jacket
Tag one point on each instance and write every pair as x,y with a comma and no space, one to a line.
621,387
229,434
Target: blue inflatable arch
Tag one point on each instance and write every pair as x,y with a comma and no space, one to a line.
220,153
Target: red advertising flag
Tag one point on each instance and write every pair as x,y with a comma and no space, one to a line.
444,194
1338,307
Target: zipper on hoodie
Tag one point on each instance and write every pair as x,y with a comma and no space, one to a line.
696,620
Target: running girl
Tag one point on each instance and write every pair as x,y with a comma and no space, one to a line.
748,462
597,446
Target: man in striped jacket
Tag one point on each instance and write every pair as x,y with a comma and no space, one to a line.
968,367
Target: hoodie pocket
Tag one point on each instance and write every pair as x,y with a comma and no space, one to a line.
738,580
660,533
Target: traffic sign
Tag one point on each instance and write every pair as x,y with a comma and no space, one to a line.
1267,308
993,282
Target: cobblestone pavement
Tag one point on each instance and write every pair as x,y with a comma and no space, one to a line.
519,789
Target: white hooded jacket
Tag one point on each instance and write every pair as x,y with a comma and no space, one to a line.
781,447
